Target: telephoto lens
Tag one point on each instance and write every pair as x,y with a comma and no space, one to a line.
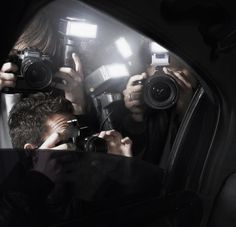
160,91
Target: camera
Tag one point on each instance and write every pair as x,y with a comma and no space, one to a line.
92,144
35,71
77,35
160,91
81,137
104,86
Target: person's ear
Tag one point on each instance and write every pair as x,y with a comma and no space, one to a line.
29,146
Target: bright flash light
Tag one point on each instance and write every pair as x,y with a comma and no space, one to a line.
104,76
117,70
123,47
157,48
81,29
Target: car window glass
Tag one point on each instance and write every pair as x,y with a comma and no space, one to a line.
127,82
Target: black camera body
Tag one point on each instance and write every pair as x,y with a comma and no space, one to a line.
92,144
160,91
35,71
82,136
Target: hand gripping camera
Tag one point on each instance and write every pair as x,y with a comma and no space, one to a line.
81,137
35,71
160,91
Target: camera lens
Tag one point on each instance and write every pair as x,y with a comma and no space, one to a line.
37,73
160,92
92,144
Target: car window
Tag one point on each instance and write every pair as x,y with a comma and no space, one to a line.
123,86
78,79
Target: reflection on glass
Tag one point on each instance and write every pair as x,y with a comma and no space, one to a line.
78,80
74,51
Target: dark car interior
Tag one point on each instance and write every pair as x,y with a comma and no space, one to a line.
189,180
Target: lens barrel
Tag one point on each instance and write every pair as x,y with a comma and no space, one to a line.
92,144
160,92
37,73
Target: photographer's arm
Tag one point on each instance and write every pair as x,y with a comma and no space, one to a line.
7,78
132,97
187,83
73,85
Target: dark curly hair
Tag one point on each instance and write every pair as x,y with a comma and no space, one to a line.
28,117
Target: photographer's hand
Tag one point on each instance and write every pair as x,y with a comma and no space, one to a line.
187,83
116,144
132,96
7,78
73,84
54,139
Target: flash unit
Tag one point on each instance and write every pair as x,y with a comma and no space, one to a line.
77,28
76,35
123,47
104,76
160,55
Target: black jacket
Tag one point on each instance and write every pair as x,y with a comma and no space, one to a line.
28,198
22,197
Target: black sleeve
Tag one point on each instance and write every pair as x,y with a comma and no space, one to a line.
22,196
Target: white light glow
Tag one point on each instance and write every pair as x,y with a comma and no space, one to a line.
117,70
81,29
160,61
123,47
157,48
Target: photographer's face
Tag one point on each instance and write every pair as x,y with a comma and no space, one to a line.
56,132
